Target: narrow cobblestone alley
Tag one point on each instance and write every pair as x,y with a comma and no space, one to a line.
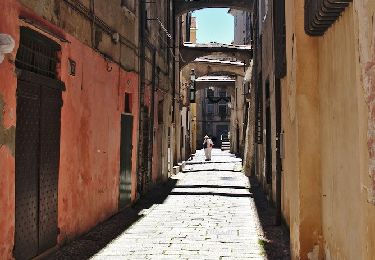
208,214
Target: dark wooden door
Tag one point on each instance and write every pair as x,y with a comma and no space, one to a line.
50,123
126,148
39,101
27,170
37,163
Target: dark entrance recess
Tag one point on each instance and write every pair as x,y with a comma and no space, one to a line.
126,148
37,157
268,135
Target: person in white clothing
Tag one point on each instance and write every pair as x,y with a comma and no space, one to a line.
207,145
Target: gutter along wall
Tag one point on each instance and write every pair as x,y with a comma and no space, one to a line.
88,183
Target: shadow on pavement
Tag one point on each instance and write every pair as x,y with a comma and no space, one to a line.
211,194
100,236
276,238
212,186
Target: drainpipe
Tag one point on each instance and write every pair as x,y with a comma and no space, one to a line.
141,57
238,140
152,114
174,63
93,32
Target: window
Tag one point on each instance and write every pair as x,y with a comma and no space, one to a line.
223,104
210,109
222,93
37,54
223,110
210,94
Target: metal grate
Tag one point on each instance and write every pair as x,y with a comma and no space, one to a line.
37,54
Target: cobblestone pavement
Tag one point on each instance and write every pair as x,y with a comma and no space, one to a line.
208,213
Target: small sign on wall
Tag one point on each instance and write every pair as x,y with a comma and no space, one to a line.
72,67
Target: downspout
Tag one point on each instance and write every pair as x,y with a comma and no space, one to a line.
93,32
141,57
152,114
174,63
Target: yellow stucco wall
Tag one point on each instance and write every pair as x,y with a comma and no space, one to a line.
346,214
340,139
326,189
300,99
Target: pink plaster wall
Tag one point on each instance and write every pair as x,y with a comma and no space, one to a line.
90,135
90,138
7,94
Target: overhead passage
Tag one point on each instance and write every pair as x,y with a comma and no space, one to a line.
183,6
211,66
191,51
215,81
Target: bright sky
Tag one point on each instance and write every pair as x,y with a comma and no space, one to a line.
214,25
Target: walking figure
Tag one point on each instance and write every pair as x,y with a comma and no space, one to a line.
207,145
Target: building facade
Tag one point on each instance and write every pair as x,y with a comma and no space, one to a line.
242,26
89,106
313,148
213,118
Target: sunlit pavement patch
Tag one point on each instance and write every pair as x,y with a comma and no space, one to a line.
210,214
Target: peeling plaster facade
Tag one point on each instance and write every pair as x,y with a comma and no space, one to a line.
89,161
93,102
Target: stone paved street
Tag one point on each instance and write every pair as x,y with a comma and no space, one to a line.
208,215
205,212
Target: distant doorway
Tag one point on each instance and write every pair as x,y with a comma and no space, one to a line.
221,132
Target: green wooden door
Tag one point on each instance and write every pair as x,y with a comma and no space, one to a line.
126,148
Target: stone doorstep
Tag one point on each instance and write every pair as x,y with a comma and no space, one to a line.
182,165
176,169
179,167
47,253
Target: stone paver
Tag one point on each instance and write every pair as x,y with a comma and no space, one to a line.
210,214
